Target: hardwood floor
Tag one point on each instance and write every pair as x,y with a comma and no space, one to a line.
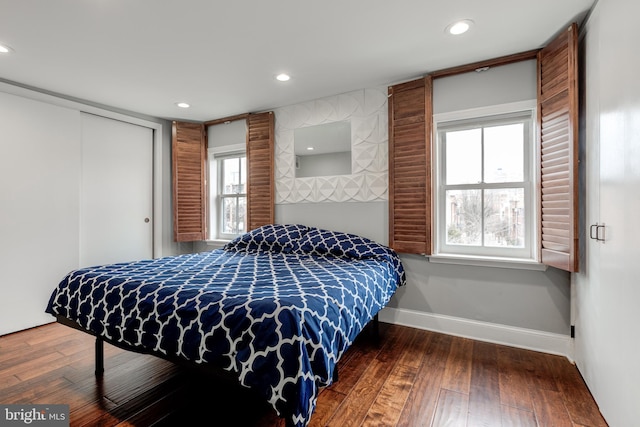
412,378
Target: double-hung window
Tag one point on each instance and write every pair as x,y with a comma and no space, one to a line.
229,209
484,183
474,215
222,173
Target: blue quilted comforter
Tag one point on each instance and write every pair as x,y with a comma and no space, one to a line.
277,307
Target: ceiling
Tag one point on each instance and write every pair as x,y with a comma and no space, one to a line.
222,57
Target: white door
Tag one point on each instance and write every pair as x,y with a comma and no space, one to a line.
116,222
586,306
589,311
607,287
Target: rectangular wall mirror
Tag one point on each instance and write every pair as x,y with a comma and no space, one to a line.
323,150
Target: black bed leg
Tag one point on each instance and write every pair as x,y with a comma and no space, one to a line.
376,329
99,356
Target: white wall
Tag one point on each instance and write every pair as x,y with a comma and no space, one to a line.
40,178
366,109
607,289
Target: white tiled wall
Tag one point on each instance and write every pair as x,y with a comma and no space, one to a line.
367,111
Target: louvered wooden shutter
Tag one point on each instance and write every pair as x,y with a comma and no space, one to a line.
410,122
558,136
189,193
260,181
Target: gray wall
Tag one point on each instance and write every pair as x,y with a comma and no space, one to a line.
498,85
528,299
367,219
225,134
536,300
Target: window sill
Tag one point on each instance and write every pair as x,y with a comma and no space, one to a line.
497,262
217,243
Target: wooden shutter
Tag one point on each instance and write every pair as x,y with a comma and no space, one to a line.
410,123
260,181
558,136
189,193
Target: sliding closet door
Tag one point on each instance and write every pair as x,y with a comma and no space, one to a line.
116,222
39,183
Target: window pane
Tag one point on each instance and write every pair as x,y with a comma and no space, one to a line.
463,157
243,175
232,215
464,217
504,217
231,176
241,214
504,153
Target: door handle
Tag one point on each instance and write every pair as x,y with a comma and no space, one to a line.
147,220
594,232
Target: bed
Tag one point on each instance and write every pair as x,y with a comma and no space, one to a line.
275,308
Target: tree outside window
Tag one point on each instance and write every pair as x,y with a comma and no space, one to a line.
232,195
484,202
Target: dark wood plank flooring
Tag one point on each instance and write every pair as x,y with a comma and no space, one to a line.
411,378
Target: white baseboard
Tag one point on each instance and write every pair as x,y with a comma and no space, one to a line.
529,339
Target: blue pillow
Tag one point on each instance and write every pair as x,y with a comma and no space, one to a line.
322,242
269,238
318,241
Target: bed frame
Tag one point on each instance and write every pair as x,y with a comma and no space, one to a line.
99,350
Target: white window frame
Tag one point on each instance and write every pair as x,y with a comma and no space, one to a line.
479,254
216,156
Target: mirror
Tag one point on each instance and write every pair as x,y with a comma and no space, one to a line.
323,150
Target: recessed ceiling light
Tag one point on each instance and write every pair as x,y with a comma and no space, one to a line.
310,148
283,77
5,49
459,27
183,105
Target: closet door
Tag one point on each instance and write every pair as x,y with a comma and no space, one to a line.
116,222
586,303
39,201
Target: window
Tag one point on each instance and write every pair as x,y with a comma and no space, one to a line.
484,185
413,205
229,203
198,211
